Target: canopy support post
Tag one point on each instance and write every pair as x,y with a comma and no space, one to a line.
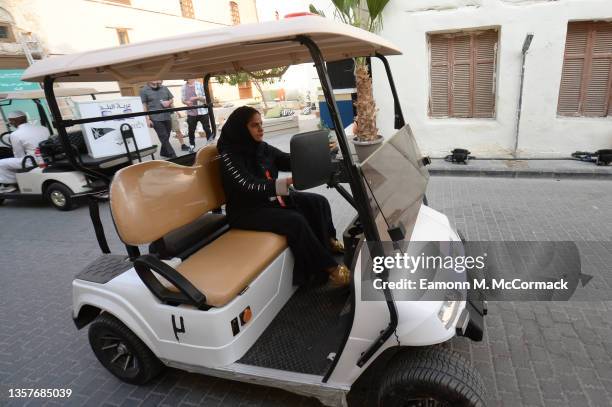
60,125
44,120
209,102
399,116
361,198
357,187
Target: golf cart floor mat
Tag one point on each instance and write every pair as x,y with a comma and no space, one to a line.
105,268
305,332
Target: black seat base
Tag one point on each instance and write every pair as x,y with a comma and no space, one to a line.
188,239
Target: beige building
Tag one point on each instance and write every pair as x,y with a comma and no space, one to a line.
34,29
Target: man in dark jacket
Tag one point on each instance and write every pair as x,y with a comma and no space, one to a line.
155,96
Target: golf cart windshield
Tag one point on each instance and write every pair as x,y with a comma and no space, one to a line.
397,179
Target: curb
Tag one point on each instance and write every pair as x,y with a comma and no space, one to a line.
520,174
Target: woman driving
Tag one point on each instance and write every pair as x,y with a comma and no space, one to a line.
258,200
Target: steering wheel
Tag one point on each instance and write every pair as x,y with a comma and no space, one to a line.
5,139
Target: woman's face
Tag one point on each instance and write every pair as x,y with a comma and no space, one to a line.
255,126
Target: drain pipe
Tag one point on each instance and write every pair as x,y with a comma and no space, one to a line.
526,44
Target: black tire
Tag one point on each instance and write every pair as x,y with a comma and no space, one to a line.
121,352
432,376
60,196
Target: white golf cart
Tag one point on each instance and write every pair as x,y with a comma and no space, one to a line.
52,176
211,299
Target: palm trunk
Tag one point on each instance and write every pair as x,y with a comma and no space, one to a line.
365,124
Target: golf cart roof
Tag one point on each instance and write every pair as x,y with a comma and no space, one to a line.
249,47
40,94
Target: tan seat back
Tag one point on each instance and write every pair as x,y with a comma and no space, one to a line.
151,199
208,157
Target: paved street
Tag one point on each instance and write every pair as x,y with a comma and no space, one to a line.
553,354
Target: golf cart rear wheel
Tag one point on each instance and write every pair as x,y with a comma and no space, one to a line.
121,352
60,196
431,377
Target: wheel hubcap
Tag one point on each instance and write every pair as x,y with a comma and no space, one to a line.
58,198
118,353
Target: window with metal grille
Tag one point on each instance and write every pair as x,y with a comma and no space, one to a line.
187,8
586,79
235,11
462,74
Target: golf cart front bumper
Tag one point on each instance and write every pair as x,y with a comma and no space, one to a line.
471,321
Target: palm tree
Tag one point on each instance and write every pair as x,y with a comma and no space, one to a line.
365,14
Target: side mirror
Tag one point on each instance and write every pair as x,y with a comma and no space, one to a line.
311,164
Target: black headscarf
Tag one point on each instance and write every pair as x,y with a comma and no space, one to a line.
235,136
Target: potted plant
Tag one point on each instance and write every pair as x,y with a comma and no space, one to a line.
365,14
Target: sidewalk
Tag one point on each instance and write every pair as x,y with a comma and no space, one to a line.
487,168
522,169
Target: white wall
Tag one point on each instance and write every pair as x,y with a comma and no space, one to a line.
68,26
542,132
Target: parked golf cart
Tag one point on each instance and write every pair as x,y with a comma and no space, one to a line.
210,299
52,176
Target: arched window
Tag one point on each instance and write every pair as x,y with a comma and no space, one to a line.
7,33
235,11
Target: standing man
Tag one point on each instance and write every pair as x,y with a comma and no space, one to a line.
192,95
155,96
24,141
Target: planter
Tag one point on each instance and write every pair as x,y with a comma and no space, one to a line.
365,148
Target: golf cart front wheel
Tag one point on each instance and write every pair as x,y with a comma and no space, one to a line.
60,196
121,352
431,377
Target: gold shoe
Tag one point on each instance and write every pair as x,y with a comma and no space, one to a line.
341,276
336,246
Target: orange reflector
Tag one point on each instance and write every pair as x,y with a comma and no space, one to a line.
246,315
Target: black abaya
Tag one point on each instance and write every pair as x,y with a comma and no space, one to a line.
308,226
249,170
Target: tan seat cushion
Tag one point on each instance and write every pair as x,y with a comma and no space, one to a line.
151,199
225,267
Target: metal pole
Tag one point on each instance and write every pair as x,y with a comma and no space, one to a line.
361,199
209,102
526,45
356,182
399,116
60,125
44,120
69,123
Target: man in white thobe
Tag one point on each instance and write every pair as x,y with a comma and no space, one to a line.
24,141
